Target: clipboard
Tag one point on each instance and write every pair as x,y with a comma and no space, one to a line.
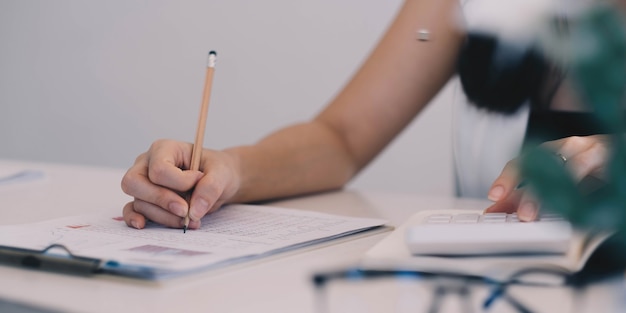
55,258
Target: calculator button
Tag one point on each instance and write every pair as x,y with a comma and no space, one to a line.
494,214
512,218
438,219
550,215
551,219
502,220
493,218
466,218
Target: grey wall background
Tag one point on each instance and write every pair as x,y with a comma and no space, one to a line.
95,82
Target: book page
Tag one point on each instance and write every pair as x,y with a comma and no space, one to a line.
232,233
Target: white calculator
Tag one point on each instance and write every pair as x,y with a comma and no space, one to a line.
476,233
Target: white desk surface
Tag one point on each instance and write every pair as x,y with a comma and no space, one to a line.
281,283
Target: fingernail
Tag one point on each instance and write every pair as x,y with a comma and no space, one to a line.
527,212
200,207
178,208
134,223
194,224
495,193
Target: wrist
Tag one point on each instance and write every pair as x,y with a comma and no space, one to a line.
234,163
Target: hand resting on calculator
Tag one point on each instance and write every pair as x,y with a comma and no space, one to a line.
488,233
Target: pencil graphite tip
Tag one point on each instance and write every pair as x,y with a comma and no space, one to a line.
212,52
184,229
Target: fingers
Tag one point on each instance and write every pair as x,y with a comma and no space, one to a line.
215,188
528,208
155,177
505,184
132,218
584,155
520,201
508,204
135,183
159,186
510,196
206,197
165,162
136,214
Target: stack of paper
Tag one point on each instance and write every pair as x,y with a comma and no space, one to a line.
233,234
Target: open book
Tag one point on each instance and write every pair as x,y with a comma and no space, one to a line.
235,233
392,253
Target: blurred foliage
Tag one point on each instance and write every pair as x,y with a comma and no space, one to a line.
595,49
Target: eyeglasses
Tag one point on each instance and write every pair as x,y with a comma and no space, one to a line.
364,290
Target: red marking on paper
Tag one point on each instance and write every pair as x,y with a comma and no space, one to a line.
77,226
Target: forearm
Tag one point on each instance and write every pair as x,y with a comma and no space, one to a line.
400,77
299,159
397,80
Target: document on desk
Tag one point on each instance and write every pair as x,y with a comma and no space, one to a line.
233,234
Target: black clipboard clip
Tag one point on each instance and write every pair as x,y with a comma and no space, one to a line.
44,260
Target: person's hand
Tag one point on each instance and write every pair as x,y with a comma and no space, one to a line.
159,184
582,156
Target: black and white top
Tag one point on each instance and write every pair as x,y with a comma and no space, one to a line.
485,140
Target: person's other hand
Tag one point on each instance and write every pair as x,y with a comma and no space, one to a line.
582,156
159,182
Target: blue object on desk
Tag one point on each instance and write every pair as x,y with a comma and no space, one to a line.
27,175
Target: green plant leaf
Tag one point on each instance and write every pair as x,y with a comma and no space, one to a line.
550,181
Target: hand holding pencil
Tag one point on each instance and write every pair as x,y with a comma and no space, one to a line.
168,188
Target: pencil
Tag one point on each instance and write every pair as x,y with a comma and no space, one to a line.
196,152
